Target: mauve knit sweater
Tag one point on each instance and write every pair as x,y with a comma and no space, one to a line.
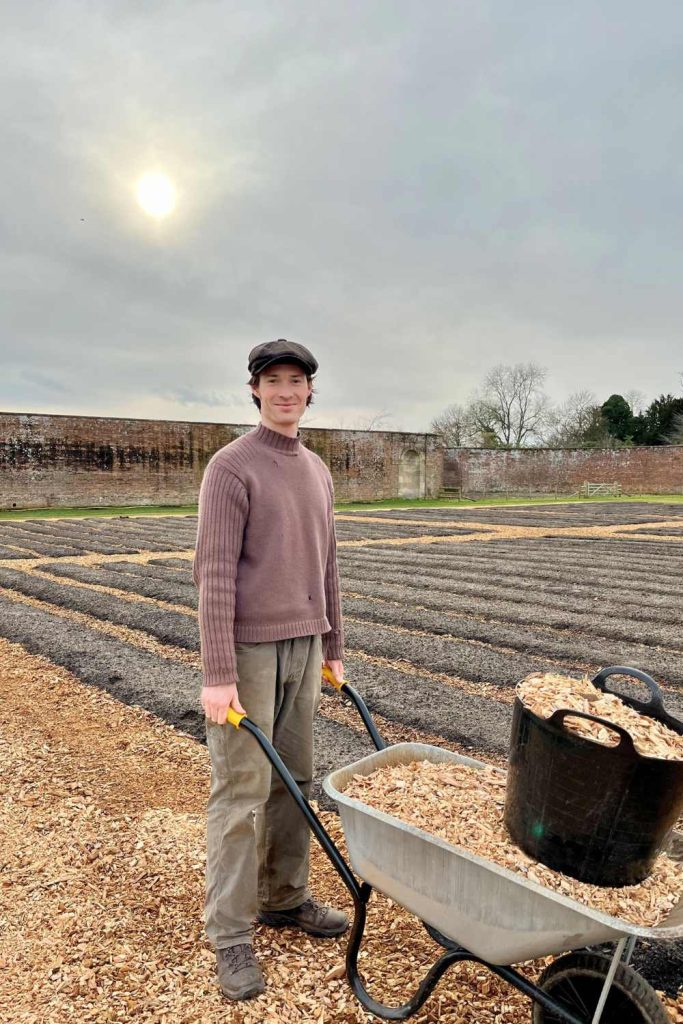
266,559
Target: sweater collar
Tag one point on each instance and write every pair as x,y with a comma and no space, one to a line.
278,442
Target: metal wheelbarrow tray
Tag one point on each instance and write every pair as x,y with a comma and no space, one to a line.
500,916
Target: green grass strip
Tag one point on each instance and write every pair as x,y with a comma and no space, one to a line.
387,503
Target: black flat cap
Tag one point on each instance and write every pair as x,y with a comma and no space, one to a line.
281,351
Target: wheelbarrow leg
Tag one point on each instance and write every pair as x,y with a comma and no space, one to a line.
454,954
426,986
618,953
630,946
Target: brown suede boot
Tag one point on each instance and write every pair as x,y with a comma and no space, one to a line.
239,974
311,917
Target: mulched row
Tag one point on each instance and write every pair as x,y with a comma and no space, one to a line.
106,872
180,592
547,515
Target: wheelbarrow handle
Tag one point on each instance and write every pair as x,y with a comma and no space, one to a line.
361,706
329,677
235,717
241,721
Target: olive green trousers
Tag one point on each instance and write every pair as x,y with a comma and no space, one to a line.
257,839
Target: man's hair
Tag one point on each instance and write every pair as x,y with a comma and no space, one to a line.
253,382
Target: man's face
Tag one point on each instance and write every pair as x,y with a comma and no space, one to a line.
283,389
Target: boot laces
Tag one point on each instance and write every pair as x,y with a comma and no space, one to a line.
317,909
239,957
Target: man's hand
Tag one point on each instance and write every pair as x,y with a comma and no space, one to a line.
217,699
336,668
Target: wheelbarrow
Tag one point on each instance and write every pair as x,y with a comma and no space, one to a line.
505,917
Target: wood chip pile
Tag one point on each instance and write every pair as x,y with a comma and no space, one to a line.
103,821
465,805
103,825
546,692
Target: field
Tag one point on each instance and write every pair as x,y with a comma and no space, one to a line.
444,609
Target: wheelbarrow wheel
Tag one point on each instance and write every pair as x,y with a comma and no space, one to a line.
576,981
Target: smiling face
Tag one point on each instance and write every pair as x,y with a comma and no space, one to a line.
283,390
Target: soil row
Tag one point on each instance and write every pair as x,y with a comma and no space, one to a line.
436,654
168,626
603,615
170,690
363,531
575,639
470,576
573,652
144,582
481,614
582,566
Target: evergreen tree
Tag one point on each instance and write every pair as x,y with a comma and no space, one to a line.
658,424
618,416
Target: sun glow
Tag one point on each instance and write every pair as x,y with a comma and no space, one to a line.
156,194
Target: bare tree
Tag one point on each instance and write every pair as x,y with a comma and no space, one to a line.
456,426
571,423
381,420
512,408
376,421
636,399
676,437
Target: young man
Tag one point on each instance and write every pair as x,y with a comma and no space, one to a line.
270,618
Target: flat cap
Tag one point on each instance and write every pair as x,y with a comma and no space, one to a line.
281,351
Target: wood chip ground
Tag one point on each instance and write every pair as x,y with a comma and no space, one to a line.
102,826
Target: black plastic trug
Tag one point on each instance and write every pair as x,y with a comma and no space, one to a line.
598,813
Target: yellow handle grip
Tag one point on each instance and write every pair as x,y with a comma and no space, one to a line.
235,717
329,678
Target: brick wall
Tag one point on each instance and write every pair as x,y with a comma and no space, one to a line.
546,470
52,461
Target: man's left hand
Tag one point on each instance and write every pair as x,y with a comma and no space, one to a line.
336,668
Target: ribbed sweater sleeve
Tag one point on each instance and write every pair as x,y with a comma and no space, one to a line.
223,512
333,642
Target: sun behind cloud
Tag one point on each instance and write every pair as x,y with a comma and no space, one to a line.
156,194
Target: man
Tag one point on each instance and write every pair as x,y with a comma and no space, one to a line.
270,618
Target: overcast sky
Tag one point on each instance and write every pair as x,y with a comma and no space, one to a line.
414,190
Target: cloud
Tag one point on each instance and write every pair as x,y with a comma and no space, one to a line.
415,191
209,399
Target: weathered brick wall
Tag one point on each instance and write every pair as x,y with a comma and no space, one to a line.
52,461
563,470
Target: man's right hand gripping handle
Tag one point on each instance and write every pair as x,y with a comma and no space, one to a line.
217,699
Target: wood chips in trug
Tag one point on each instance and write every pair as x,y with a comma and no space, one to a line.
546,692
465,805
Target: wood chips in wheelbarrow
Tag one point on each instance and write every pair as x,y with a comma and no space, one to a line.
464,806
545,692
